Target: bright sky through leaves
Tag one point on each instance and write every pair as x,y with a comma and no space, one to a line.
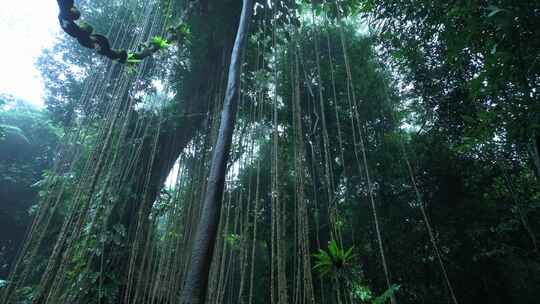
26,27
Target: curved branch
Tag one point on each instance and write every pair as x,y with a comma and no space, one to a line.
84,33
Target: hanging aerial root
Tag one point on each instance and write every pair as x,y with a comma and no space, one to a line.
84,33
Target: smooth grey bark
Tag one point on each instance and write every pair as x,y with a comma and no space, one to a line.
194,291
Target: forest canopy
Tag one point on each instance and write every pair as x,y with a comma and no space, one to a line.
343,151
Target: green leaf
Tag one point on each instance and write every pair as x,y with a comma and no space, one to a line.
493,10
184,29
348,254
132,60
386,295
494,49
332,247
160,42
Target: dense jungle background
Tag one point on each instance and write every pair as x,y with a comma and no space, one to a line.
384,152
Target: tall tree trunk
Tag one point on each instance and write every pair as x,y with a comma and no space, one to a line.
195,100
194,290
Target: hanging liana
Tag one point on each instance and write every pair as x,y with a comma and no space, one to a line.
84,33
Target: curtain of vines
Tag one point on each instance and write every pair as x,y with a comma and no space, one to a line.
299,163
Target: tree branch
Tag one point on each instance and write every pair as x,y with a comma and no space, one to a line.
84,33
